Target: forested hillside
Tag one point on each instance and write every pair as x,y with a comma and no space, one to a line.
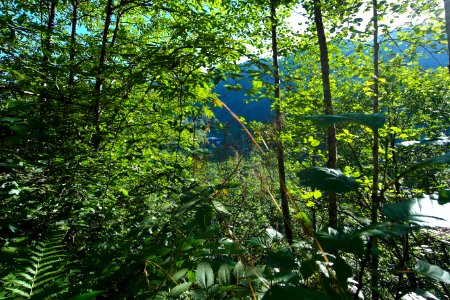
113,185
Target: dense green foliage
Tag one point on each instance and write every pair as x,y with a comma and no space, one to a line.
109,188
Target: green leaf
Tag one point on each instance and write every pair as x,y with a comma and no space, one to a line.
282,260
88,295
432,271
238,271
177,291
373,121
224,274
333,240
220,207
295,293
424,211
438,141
343,271
444,197
386,230
204,275
326,179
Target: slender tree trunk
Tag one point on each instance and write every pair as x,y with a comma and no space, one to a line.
72,52
331,130
447,28
279,121
375,152
96,138
46,51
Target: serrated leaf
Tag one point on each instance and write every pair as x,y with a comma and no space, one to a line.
180,289
224,274
424,211
432,271
204,275
327,179
374,121
292,293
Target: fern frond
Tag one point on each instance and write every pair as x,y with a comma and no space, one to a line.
43,273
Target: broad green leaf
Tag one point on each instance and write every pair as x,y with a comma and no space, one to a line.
89,295
179,274
282,260
444,196
348,242
424,211
238,271
204,275
177,291
432,271
374,121
439,141
386,230
224,274
343,271
292,293
326,179
220,207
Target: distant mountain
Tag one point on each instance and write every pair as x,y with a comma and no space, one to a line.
260,110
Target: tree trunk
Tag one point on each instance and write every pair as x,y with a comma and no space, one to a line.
96,138
72,52
279,121
46,50
375,152
447,28
331,130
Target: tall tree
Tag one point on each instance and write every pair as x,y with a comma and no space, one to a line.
447,28
375,149
279,123
327,99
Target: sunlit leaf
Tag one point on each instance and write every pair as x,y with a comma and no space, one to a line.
424,211
204,275
432,271
326,179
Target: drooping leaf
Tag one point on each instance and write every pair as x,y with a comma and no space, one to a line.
373,121
282,260
204,275
220,207
386,230
437,160
177,291
238,271
277,292
326,179
432,271
224,274
89,295
424,211
438,141
444,197
343,271
348,242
